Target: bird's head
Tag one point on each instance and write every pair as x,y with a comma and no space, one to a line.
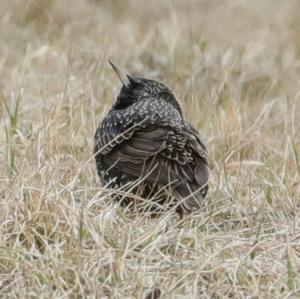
135,89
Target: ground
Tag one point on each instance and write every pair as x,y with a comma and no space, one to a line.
235,68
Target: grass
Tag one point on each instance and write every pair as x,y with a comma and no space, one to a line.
234,66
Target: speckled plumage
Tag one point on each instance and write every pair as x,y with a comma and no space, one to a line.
146,147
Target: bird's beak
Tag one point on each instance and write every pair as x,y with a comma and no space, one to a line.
122,74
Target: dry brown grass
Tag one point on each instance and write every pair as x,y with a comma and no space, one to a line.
235,66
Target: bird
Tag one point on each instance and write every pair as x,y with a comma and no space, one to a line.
145,148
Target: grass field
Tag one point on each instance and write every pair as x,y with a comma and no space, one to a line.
235,68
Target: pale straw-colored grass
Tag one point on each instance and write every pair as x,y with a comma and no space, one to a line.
235,67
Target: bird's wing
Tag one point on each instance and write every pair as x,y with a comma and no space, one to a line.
114,129
157,148
151,155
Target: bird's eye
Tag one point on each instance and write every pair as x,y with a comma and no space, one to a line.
136,85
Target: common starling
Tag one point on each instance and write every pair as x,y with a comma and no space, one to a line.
145,148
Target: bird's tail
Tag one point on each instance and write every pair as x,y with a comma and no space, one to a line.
191,199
